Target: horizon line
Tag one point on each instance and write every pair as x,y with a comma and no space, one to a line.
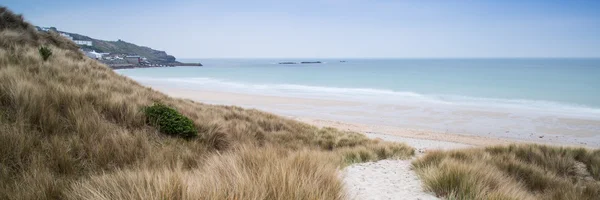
573,57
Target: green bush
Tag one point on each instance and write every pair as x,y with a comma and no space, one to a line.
169,121
45,52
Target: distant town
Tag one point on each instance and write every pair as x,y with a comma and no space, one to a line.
118,60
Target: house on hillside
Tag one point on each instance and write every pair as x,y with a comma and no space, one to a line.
83,42
133,59
95,55
47,29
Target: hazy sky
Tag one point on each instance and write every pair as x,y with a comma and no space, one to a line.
333,28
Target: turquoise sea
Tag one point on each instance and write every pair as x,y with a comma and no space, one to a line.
542,100
562,86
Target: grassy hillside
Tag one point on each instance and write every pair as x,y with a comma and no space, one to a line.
122,47
512,172
71,128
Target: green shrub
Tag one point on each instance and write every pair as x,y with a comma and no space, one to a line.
169,121
45,52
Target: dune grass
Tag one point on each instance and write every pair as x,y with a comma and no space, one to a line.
71,128
512,172
245,173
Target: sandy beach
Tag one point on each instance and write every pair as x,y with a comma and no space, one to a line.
353,115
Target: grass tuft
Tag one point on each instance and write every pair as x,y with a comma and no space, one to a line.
170,122
45,52
511,172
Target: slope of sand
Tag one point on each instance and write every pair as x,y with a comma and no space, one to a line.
394,179
462,125
442,140
385,179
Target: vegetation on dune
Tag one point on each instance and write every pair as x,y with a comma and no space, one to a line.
512,172
45,52
71,128
169,121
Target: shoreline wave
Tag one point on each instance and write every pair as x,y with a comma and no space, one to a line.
377,95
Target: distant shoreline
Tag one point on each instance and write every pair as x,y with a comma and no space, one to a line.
303,62
131,66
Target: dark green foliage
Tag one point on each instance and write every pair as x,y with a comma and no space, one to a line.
45,52
170,122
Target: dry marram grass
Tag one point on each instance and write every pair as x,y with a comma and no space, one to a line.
246,173
512,172
71,128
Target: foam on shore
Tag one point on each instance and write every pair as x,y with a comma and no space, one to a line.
371,95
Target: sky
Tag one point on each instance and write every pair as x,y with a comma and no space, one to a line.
332,28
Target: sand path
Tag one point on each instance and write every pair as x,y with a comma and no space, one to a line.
385,179
391,179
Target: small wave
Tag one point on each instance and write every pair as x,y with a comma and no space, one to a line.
378,95
536,105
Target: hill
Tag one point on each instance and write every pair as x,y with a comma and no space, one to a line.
122,47
71,128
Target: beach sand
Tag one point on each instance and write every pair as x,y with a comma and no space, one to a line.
385,179
418,123
391,179
388,179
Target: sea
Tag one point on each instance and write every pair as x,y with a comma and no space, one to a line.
473,96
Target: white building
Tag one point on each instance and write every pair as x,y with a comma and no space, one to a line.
133,59
94,54
83,42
